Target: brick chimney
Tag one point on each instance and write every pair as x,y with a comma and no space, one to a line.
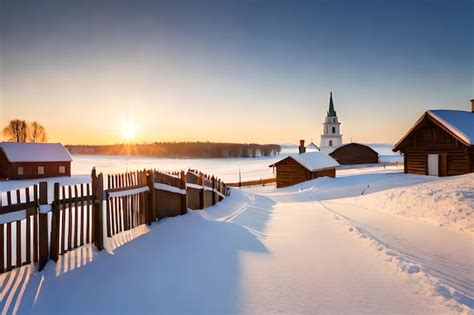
472,105
302,148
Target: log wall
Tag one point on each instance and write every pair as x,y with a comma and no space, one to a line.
289,172
431,139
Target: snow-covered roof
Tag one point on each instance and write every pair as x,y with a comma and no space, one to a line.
35,152
312,147
313,161
460,123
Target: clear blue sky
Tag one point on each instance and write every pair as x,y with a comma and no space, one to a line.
240,71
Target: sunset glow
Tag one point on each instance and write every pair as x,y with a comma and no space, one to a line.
129,132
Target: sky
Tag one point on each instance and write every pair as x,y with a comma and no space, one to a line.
232,71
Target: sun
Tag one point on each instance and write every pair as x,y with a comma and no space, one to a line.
128,132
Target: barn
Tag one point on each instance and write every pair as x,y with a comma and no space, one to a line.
355,153
33,160
440,143
298,168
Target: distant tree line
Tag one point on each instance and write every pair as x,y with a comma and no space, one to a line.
19,130
180,149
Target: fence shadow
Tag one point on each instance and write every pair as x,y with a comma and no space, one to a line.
185,264
12,288
248,210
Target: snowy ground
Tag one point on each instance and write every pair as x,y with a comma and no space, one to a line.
226,169
318,247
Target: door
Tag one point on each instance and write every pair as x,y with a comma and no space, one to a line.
443,164
433,164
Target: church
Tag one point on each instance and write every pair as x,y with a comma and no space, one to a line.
331,137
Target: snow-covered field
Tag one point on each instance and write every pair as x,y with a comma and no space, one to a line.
227,169
372,240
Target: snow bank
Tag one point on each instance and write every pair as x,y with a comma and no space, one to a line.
445,202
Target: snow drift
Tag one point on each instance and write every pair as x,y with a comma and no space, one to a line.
447,202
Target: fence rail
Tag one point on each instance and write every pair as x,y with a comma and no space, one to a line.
34,230
256,182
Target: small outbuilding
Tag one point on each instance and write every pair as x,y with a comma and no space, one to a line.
299,168
441,143
20,160
355,153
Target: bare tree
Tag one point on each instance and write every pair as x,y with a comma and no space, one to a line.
16,130
36,132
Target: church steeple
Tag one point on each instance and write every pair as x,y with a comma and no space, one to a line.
331,111
331,137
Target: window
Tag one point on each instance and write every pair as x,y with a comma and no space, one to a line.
40,170
62,169
330,143
20,170
333,129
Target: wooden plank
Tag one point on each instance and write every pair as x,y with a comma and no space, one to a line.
63,223
119,212
28,229
70,228
43,227
17,207
81,241
75,240
35,227
108,210
18,243
111,221
2,248
9,246
9,236
89,216
18,233
55,224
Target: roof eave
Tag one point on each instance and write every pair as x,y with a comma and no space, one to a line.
440,123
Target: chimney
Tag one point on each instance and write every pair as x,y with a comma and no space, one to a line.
302,148
472,105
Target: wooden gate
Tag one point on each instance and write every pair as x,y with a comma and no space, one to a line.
72,218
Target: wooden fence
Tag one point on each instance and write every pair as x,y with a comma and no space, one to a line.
19,228
34,230
257,182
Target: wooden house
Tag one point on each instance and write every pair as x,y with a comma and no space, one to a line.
440,143
298,168
355,153
33,160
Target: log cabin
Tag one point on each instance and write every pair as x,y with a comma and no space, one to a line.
441,143
33,160
302,167
355,153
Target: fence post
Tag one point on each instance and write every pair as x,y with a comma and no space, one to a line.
97,205
54,247
184,198
213,190
43,226
151,204
201,193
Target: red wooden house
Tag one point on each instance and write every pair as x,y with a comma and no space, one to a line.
33,160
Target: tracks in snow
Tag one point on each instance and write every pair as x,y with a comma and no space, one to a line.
451,281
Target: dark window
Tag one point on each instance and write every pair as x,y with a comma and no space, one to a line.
330,143
333,129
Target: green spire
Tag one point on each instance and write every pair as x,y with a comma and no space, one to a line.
331,111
